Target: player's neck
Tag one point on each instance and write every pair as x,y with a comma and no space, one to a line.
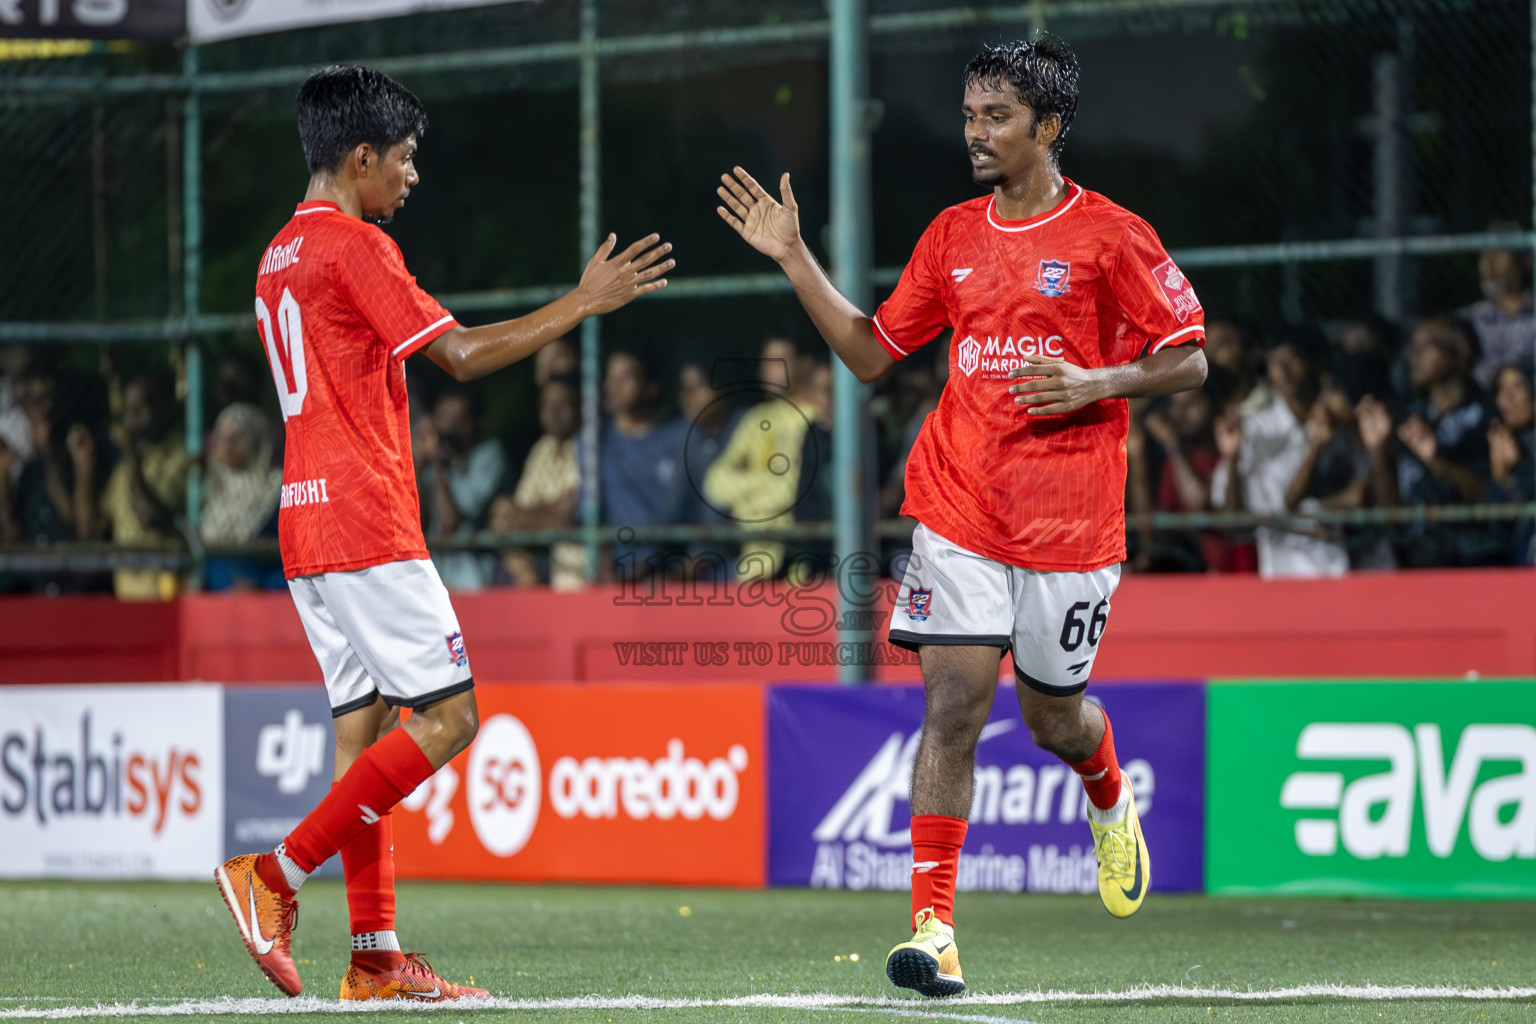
1031,195
323,188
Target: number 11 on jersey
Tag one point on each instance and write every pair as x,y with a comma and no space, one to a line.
287,359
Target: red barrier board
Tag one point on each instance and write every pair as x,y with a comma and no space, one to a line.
598,783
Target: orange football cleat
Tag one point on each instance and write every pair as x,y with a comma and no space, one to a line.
266,919
411,978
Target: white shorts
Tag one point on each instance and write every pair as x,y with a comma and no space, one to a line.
388,630
1052,621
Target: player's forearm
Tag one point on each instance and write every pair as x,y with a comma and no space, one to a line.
844,326
1178,368
448,515
470,352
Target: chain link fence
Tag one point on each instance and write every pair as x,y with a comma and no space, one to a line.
1310,163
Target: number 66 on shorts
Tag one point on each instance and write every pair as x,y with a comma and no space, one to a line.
1052,622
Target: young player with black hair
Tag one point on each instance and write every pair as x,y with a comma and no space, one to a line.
339,314
1063,305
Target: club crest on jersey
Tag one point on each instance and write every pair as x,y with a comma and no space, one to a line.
920,604
456,654
1052,277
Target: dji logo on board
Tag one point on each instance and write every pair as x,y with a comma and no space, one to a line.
290,752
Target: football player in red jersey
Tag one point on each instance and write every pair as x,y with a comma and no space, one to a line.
1063,305
339,314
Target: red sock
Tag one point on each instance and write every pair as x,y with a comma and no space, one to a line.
385,774
368,861
936,842
1101,772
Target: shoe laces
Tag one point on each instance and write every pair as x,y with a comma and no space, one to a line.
415,963
287,920
926,922
1112,845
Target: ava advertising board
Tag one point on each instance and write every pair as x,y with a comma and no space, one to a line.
1421,789
111,781
841,766
595,783
279,752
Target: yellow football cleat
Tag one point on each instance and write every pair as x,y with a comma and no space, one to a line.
930,962
1125,871
410,980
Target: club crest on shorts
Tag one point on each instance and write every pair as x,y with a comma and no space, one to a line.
920,604
1052,277
456,653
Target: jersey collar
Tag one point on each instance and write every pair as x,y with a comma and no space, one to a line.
316,206
1074,193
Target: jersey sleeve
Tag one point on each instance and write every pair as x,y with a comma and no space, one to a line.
404,316
1155,297
915,312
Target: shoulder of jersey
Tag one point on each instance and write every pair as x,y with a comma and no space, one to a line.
970,208
1101,208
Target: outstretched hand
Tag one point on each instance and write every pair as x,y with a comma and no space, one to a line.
770,227
608,284
1053,386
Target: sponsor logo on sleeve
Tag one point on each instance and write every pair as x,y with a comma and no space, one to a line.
1176,289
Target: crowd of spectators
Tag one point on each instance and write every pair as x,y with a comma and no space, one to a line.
1290,425
1293,424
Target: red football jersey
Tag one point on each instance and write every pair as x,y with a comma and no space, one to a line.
338,314
1088,282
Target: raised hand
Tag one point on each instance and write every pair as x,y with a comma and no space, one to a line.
1229,436
1375,421
1419,438
608,284
770,227
82,447
1053,386
1319,426
1503,452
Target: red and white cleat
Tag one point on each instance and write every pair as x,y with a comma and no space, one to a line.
266,918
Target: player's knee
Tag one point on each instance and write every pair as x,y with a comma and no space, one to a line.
461,723
955,712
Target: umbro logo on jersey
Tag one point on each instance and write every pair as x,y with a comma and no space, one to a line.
961,273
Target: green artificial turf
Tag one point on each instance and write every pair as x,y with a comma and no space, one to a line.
65,944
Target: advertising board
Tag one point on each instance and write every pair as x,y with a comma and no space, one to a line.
1386,789
111,781
597,783
841,763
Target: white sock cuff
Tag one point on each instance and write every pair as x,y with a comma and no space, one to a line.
376,940
1110,815
292,873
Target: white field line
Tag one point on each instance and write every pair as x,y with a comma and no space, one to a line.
822,1001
